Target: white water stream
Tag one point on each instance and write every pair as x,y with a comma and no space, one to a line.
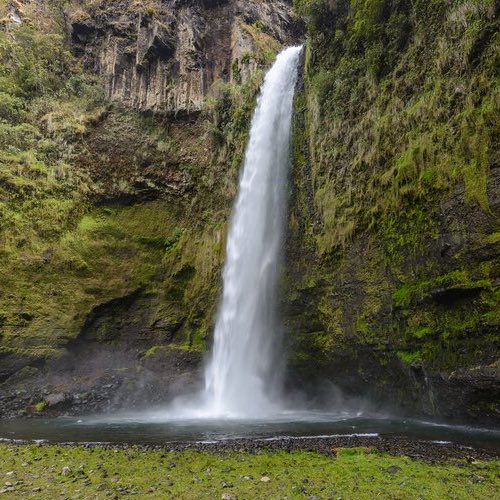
244,374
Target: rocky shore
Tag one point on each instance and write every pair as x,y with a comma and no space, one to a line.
427,450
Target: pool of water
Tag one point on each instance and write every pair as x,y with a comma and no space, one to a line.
156,429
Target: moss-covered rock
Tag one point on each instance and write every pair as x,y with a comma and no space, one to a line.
395,206
112,219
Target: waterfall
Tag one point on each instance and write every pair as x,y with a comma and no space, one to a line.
243,375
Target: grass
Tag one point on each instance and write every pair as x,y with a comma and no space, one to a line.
32,471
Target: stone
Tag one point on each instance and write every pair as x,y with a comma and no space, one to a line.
227,496
392,469
168,62
66,471
265,479
55,399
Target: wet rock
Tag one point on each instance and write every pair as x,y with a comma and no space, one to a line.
55,399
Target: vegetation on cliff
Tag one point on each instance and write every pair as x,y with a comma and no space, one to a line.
396,193
99,202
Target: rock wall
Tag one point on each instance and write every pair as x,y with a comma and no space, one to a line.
167,56
122,129
393,257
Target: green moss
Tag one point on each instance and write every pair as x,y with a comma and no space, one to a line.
40,406
394,137
418,292
362,325
493,238
266,46
389,153
422,332
166,350
409,357
108,254
450,320
229,112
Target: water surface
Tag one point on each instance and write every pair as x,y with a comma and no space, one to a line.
152,429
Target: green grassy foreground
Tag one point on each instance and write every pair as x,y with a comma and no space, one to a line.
50,472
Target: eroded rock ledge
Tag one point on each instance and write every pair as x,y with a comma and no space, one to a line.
166,56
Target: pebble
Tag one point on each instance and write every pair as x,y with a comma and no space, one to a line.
11,473
265,479
66,471
227,496
392,469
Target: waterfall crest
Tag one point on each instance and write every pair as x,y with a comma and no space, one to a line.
243,376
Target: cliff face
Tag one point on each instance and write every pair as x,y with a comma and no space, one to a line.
166,55
113,220
393,253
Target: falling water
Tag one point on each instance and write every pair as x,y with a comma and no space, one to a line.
243,376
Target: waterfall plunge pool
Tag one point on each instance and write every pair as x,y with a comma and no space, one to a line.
153,429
